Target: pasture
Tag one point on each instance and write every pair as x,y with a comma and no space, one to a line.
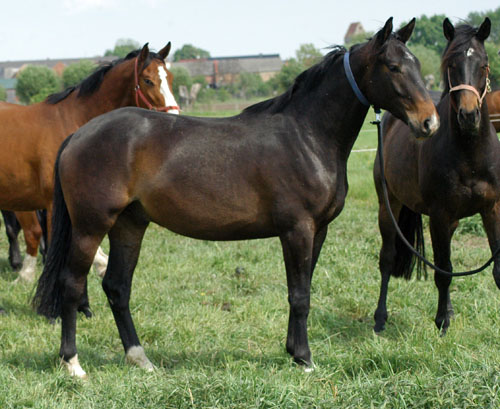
212,317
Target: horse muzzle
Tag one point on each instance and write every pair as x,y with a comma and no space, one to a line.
424,128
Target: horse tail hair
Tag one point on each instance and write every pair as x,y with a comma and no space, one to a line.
48,296
410,224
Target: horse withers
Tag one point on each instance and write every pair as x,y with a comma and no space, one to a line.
31,135
452,175
276,169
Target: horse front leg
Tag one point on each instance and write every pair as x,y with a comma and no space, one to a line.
441,233
298,255
491,222
12,229
32,236
387,260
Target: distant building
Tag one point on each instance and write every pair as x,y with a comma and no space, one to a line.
226,70
9,70
354,30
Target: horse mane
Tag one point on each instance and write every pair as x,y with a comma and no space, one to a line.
306,80
460,43
92,83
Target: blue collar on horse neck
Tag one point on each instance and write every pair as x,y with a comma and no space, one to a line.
354,85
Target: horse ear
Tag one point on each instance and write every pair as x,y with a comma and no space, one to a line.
165,51
384,34
448,29
405,32
143,55
484,30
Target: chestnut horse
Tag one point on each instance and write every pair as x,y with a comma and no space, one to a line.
453,175
31,135
493,101
276,169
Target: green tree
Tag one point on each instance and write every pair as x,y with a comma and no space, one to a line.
429,61
36,81
429,33
181,77
494,60
122,47
75,73
359,38
249,85
190,52
3,94
308,55
476,18
285,78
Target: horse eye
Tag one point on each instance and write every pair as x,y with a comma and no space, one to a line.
394,68
148,81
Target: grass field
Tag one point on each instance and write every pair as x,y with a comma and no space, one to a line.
217,337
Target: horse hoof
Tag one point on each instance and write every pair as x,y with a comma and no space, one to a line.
2,311
74,369
378,329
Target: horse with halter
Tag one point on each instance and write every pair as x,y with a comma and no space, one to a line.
276,169
31,135
493,101
454,174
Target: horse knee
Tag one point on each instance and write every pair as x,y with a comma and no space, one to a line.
299,305
117,293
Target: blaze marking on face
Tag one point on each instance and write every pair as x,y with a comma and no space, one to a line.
165,90
470,51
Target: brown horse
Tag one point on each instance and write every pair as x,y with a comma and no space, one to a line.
493,101
452,175
277,169
30,135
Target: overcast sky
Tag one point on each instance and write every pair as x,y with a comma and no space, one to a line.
39,29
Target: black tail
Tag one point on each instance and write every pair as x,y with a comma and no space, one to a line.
48,296
410,224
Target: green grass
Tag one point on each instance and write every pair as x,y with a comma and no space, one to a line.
217,338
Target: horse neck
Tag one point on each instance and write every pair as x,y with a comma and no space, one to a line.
115,91
332,109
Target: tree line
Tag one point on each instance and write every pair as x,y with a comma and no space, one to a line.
35,83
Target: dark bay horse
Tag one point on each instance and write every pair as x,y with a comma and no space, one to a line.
493,101
452,175
276,169
31,135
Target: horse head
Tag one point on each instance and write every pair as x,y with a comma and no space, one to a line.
394,82
153,81
465,71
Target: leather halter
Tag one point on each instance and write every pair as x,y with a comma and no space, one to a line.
140,94
470,87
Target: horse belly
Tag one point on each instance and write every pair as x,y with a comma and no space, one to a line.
210,218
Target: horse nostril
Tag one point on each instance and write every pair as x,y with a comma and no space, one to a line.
430,125
427,125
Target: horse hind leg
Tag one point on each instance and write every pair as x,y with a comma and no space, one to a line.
32,236
125,240
73,282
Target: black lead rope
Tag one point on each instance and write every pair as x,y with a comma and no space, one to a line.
394,221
